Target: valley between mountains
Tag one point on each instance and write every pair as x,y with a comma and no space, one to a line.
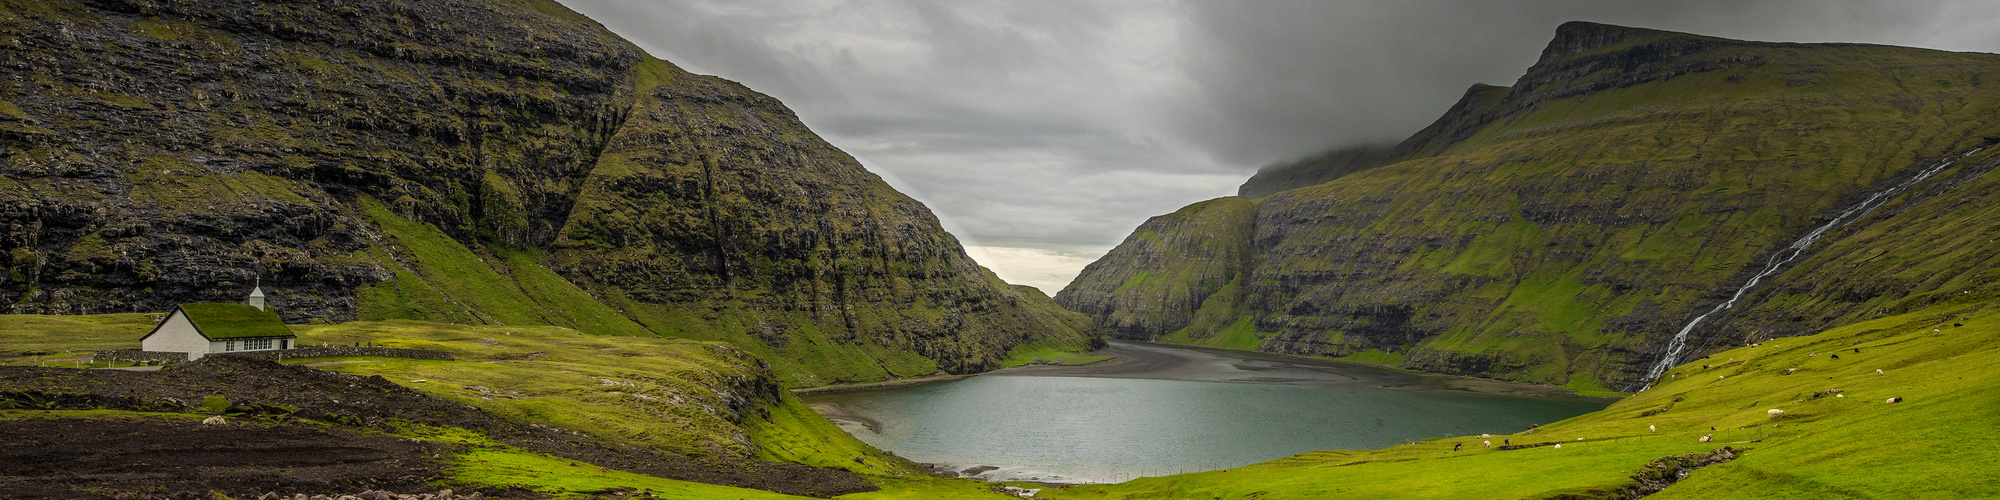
621,270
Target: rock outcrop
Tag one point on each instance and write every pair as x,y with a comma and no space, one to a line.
1560,230
468,162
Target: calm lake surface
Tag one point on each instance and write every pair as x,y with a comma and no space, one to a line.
1159,410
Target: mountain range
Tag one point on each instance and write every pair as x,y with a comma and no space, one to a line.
1564,230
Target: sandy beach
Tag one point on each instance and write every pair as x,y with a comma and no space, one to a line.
836,413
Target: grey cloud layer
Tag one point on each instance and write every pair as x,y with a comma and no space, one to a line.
1050,124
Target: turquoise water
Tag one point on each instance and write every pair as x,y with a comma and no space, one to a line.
1080,429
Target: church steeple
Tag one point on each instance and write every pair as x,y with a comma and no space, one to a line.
257,295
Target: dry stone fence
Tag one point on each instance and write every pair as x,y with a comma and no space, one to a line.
138,356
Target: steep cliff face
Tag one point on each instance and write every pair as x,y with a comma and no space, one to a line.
474,162
1560,230
1182,272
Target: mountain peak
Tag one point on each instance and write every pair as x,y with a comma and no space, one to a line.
1575,37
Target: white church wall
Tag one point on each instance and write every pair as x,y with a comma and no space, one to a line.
176,334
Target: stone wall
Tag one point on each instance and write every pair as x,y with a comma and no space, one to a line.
135,355
139,356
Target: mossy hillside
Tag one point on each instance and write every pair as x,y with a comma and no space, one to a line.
715,214
680,396
234,159
1911,253
543,173
1617,192
1166,274
1849,443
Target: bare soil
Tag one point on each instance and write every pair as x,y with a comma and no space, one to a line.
278,392
172,458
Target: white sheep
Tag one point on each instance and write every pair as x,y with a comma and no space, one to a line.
1895,400
1489,444
1878,371
1707,438
1485,436
1559,446
1650,428
1775,412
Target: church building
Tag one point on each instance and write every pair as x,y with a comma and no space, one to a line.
203,328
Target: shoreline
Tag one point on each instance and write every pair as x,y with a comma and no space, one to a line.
1136,359
936,377
833,411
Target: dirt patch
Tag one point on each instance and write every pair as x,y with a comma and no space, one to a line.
272,390
169,458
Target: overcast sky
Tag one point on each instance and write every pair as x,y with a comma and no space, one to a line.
1043,132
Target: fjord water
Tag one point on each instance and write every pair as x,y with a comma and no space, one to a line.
1181,410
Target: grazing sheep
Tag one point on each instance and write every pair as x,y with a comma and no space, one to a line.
1878,371
1559,446
1457,447
1775,412
1895,400
1707,438
1485,436
1720,377
1836,356
1788,371
1506,441
1650,428
1489,444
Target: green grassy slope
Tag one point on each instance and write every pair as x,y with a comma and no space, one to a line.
1182,272
686,397
642,391
1561,233
1936,443
519,165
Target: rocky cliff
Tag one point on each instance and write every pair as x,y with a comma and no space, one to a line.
502,162
1562,229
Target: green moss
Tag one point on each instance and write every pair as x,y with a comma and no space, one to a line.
1375,356
153,28
122,100
229,321
8,109
214,404
652,73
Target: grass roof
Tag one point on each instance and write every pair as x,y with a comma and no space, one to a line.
229,321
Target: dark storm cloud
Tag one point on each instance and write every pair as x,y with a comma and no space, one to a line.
1058,126
1281,79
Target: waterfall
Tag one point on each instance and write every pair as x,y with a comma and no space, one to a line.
1783,256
